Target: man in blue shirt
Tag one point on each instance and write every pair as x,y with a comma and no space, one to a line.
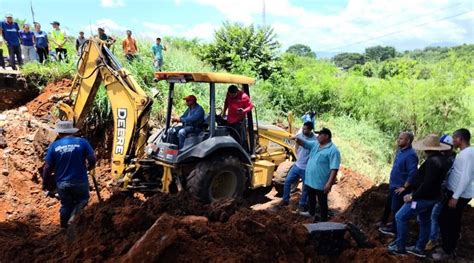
67,158
321,170
158,54
403,170
11,34
298,170
192,119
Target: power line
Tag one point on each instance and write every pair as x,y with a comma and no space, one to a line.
397,32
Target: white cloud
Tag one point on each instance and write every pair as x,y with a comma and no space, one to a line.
112,3
109,25
202,31
404,22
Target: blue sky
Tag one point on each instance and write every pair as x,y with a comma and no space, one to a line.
330,26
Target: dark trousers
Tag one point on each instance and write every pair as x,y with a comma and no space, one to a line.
42,53
2,61
15,51
397,203
450,223
130,57
322,199
387,209
61,53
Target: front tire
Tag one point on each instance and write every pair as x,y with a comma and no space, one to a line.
217,178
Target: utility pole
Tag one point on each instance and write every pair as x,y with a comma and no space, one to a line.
32,12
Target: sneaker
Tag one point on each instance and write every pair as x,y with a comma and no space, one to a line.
431,245
415,251
442,256
304,213
283,203
301,208
395,250
387,231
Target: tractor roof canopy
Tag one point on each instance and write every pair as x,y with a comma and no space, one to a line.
204,77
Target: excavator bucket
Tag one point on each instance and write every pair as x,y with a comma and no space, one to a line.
14,90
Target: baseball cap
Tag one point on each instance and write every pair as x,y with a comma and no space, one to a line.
8,15
446,139
55,23
325,131
190,98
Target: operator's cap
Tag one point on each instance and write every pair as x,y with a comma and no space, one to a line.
55,23
446,139
9,15
325,131
190,98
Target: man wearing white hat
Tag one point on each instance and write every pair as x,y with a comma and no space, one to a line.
426,186
11,34
67,158
459,192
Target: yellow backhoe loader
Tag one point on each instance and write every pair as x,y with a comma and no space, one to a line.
211,165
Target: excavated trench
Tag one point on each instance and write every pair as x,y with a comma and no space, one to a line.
15,90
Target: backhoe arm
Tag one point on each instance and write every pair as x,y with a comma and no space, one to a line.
130,105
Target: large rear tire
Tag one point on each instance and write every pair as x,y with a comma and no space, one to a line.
280,177
217,178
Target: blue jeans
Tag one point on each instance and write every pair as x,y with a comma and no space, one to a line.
74,197
423,212
182,134
397,203
294,174
434,233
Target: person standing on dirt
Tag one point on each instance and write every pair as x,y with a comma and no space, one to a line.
237,104
11,34
403,170
130,48
321,170
298,170
58,39
27,38
459,192
41,43
192,119
426,192
80,40
67,157
157,50
434,232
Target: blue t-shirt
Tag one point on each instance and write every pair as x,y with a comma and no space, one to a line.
27,38
193,117
321,162
11,33
158,51
68,157
303,153
41,39
404,167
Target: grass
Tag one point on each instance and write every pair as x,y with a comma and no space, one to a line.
364,148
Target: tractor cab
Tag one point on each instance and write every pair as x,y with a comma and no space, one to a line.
213,129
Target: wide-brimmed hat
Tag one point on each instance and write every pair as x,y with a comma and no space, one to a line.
9,15
430,143
65,127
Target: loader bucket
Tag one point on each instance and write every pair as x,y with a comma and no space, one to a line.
14,90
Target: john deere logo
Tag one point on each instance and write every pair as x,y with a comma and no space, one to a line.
121,126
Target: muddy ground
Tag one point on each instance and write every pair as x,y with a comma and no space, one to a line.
170,228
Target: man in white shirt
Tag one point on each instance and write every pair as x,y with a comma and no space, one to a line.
460,190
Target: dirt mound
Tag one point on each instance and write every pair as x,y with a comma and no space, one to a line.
41,106
14,90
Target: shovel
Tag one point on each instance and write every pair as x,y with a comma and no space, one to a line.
96,185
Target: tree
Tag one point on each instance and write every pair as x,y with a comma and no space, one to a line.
239,49
348,60
379,53
301,50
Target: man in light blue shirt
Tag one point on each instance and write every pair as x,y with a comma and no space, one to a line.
321,170
158,54
297,171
